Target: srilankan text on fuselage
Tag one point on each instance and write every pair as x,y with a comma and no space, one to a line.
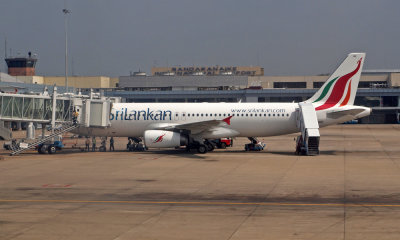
148,114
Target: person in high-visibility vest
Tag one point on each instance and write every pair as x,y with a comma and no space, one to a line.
93,144
75,115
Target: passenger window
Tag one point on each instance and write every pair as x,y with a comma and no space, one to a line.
269,115
265,114
251,115
201,114
273,115
206,114
242,115
247,115
278,114
197,114
255,115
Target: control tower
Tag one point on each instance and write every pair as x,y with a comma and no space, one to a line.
21,66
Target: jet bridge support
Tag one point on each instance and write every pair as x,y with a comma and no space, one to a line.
307,122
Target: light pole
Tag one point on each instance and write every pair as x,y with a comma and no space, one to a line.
66,11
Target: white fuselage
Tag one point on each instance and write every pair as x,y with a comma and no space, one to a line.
248,119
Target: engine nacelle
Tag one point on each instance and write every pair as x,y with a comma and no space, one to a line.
164,139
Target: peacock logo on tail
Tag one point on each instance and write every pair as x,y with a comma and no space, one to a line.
339,86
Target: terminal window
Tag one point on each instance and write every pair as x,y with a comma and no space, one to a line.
290,84
318,84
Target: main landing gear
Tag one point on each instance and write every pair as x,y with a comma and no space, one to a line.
135,144
202,148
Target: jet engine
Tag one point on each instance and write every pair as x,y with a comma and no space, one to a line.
164,139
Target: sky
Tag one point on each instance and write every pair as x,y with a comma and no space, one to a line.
286,37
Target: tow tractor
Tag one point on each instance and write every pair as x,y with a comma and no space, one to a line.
223,142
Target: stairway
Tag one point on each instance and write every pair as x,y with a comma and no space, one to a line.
16,149
307,122
313,146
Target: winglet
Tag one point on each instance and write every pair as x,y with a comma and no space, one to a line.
227,120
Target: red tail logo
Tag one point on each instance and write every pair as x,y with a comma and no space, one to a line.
338,90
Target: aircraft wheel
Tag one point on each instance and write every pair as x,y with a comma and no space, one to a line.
43,149
223,145
52,149
210,147
202,149
40,151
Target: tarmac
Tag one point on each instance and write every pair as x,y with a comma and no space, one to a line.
350,191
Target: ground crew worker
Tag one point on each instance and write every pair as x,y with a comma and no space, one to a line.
112,144
93,144
75,115
87,144
103,146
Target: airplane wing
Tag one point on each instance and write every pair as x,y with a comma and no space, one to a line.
198,127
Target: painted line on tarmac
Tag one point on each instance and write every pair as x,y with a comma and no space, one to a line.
205,203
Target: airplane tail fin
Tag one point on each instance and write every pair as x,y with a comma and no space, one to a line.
341,87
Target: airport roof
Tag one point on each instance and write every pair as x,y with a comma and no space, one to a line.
381,70
4,77
27,88
276,92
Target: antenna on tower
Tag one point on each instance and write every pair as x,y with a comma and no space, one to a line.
66,12
5,47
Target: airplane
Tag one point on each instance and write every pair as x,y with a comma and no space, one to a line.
172,125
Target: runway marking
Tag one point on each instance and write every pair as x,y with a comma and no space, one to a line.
206,203
56,185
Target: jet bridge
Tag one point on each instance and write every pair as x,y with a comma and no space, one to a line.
34,108
307,122
64,112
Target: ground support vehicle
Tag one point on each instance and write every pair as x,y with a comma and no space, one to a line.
223,142
254,146
50,147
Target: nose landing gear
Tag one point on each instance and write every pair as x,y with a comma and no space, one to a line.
255,145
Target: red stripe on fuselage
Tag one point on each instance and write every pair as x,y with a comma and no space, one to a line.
338,89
